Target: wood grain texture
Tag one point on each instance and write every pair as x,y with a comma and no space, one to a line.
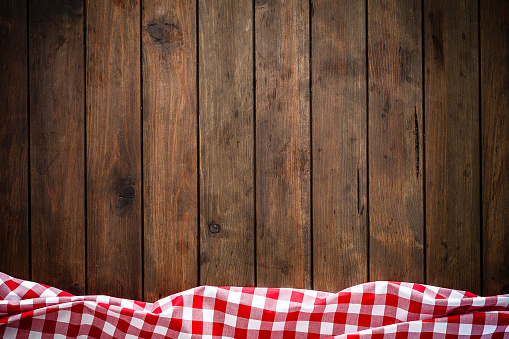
113,148
494,21
57,114
282,143
278,150
452,144
395,140
14,204
226,143
169,144
339,144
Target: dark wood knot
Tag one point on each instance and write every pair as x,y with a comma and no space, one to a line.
125,193
168,35
126,196
156,32
214,228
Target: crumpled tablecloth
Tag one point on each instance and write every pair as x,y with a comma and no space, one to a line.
375,309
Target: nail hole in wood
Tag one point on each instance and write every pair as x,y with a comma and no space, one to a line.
214,228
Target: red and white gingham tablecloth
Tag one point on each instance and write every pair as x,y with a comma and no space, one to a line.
375,310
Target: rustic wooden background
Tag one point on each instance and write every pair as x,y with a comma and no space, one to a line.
149,147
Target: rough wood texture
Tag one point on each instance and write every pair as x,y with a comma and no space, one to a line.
14,204
113,148
284,169
495,146
452,144
395,140
282,143
226,143
169,143
57,143
339,144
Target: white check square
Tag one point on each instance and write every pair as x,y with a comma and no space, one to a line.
230,320
354,308
488,329
278,325
258,301
390,329
401,314
414,327
380,287
187,313
87,319
357,288
282,306
350,328
208,315
160,330
108,328
465,329
254,324
64,316
440,327
478,301
210,291
137,322
378,310
234,297
302,326
329,308
326,328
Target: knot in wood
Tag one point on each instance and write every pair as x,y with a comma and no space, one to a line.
156,32
214,228
125,196
166,34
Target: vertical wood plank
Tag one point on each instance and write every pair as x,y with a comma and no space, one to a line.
452,144
14,234
282,143
339,144
113,148
495,146
57,143
169,143
226,143
395,140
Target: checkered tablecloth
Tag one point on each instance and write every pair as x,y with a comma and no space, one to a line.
375,309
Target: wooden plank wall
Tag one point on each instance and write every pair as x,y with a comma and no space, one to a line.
226,138
150,146
57,129
396,196
453,182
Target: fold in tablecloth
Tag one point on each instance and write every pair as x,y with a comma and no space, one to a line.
375,309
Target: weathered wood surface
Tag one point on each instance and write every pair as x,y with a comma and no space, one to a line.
452,144
14,130
57,128
169,147
494,17
283,210
339,144
114,148
227,254
396,249
298,143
